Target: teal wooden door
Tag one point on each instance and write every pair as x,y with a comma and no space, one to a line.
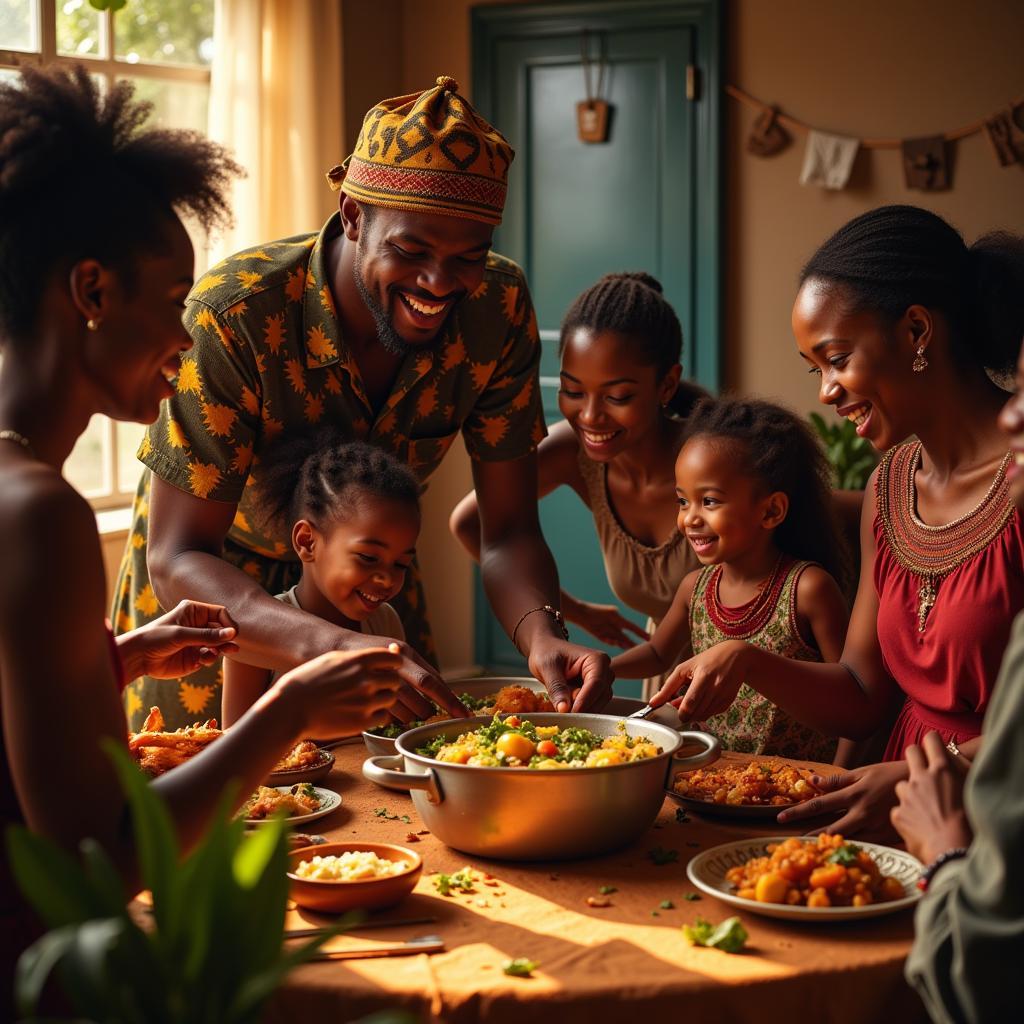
647,199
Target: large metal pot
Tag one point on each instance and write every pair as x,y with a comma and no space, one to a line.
517,814
487,685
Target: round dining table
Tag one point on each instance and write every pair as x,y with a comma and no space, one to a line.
605,934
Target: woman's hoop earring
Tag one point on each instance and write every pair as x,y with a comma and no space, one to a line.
920,363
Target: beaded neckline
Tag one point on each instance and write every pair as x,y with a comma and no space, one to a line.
749,618
932,552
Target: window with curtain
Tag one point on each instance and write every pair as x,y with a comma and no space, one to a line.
166,49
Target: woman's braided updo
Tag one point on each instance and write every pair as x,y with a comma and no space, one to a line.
632,304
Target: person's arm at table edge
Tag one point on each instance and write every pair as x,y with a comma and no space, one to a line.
970,921
60,696
520,577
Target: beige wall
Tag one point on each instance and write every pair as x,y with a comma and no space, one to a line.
858,67
888,68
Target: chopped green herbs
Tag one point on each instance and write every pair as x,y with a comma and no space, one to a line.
661,856
520,967
845,855
382,812
729,936
607,890
681,816
461,881
667,905
691,896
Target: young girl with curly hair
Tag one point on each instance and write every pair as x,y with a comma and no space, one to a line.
754,505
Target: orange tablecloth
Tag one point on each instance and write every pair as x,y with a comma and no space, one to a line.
628,961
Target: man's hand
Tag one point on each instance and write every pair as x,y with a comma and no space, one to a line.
577,678
177,643
930,814
420,682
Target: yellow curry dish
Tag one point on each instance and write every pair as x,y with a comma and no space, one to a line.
515,742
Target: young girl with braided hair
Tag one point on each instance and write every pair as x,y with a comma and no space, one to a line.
625,407
754,504
354,515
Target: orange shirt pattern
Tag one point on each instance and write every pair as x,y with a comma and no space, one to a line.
269,358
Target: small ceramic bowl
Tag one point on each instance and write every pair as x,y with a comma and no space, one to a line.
314,772
365,894
376,744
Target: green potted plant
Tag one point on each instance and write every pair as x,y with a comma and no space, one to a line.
852,458
214,953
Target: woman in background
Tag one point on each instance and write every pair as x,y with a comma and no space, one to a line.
625,407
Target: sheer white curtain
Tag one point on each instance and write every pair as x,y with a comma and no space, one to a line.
276,101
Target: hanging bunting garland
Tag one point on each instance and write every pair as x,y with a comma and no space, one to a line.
828,158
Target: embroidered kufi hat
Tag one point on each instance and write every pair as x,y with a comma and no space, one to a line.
429,151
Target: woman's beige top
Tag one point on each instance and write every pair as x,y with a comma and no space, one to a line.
643,577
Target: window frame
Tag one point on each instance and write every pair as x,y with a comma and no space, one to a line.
110,68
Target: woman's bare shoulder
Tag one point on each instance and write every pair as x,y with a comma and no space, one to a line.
34,495
558,461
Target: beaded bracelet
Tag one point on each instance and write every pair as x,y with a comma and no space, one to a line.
541,608
943,858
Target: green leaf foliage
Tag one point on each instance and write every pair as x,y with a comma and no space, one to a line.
730,936
54,883
852,457
215,951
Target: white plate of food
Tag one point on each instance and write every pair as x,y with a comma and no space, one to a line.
758,789
890,877
302,802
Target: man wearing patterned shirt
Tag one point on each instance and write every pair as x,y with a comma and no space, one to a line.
398,324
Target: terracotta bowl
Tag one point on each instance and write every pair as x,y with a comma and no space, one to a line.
366,894
314,772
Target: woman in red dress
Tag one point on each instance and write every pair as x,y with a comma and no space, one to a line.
901,321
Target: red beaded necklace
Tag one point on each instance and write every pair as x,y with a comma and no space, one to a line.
749,618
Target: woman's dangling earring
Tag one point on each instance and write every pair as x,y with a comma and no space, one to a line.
920,363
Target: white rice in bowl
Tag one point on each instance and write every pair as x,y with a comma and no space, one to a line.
350,866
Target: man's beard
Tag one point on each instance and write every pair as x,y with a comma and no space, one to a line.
392,341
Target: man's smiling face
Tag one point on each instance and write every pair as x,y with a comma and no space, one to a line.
411,269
